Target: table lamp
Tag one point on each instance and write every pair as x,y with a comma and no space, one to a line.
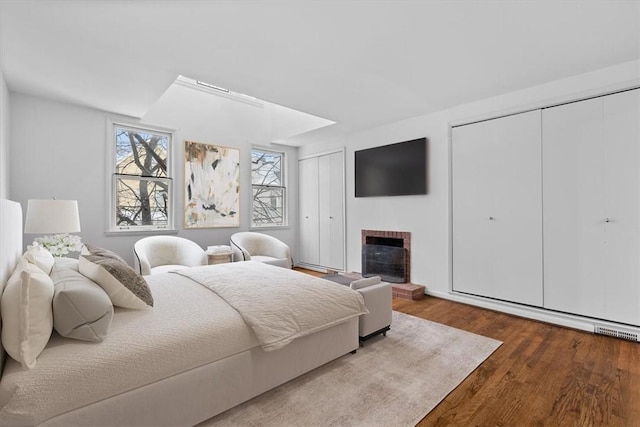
57,218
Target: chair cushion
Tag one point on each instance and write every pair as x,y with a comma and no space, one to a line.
167,268
280,262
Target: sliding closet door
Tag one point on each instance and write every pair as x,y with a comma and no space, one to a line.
622,206
497,208
573,189
592,207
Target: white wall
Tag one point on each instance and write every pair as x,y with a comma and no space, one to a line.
4,138
58,150
427,216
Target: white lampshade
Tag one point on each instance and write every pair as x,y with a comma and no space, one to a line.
52,217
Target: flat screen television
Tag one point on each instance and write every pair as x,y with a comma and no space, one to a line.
392,170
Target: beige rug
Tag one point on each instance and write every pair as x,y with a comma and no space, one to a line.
391,381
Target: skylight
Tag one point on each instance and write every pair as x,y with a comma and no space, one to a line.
284,122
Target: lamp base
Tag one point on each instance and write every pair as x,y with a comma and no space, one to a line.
60,244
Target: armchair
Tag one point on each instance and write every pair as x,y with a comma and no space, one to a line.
251,246
160,254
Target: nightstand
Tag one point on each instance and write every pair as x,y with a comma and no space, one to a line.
220,254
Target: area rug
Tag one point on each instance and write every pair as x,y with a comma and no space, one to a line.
391,381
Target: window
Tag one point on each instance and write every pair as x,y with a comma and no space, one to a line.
269,191
142,185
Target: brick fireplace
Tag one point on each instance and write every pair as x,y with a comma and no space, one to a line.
388,254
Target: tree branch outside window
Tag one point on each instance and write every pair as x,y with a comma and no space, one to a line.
269,191
141,182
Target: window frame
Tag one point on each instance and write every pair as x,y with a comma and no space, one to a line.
283,186
113,177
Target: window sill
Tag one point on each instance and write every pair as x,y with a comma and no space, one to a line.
139,232
270,227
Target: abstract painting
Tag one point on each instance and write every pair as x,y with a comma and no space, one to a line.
212,186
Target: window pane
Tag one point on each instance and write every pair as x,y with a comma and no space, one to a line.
266,168
141,153
268,206
142,202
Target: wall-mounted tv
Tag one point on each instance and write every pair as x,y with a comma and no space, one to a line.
392,170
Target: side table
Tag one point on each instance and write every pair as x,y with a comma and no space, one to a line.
220,254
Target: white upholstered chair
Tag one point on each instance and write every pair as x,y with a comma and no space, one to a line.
160,254
251,246
378,299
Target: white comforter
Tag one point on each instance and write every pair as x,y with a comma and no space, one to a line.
189,326
279,304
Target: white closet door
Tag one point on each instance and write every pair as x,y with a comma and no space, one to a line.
473,243
309,244
497,211
573,189
621,131
331,192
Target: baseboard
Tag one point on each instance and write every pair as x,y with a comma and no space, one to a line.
561,319
317,268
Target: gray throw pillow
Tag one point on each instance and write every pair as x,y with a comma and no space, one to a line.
102,252
81,309
125,287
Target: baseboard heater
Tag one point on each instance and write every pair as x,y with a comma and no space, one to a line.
616,333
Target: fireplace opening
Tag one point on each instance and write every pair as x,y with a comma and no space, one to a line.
386,254
384,241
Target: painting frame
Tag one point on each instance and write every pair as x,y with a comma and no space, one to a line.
212,186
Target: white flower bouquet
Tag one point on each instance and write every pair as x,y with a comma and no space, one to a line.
60,244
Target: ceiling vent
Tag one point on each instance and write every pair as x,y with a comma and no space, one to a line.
210,86
218,91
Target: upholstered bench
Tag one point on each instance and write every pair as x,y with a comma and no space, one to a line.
378,300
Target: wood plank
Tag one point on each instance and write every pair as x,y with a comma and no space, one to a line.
543,374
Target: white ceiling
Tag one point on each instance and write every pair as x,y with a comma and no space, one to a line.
359,63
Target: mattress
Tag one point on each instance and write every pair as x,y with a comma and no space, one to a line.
188,327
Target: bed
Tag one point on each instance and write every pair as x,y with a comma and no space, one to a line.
190,357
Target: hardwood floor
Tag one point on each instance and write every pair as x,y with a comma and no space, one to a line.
542,375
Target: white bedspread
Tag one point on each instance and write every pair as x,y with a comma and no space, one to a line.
279,304
188,327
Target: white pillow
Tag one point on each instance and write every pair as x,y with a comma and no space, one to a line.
82,310
124,286
39,256
65,263
27,316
